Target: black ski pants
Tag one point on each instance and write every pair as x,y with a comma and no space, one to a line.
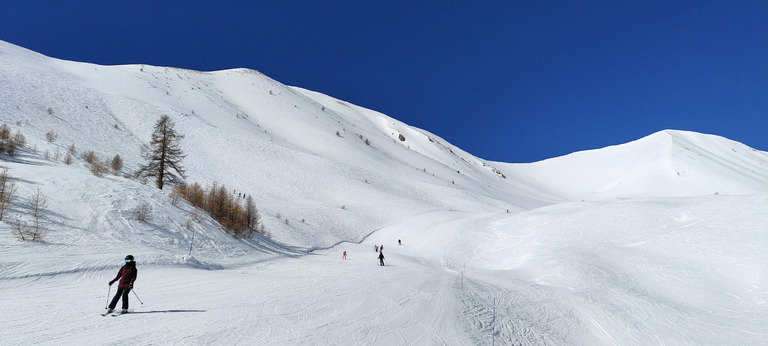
121,291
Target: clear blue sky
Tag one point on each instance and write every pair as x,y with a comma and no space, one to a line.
513,81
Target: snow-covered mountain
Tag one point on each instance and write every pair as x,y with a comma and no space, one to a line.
661,240
298,153
664,164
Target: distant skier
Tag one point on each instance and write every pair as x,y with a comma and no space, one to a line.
376,248
126,275
381,258
399,242
344,256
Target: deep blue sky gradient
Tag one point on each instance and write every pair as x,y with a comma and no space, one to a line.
512,81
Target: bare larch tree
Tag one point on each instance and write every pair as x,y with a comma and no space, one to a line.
163,155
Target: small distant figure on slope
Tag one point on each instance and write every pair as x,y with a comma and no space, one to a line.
381,258
399,242
381,248
376,248
126,275
344,256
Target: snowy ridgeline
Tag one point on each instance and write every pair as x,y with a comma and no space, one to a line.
658,241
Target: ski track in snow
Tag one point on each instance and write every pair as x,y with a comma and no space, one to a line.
273,302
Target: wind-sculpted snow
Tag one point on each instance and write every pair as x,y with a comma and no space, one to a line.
658,241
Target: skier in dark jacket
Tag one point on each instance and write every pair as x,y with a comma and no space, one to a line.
126,275
381,258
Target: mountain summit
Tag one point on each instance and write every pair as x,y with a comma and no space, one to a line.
668,163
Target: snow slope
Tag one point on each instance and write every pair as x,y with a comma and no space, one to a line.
667,248
669,163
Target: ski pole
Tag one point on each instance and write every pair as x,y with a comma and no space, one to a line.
108,292
137,296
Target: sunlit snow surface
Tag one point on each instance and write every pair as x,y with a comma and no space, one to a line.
660,241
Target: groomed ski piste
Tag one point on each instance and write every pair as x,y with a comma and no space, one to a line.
658,241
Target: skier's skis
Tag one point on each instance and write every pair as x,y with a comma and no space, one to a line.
118,313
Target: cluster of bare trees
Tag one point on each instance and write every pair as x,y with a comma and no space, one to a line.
237,218
99,167
9,143
7,192
164,155
37,207
37,203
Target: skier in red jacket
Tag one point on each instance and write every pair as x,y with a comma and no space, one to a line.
126,275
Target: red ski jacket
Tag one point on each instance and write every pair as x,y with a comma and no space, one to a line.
127,275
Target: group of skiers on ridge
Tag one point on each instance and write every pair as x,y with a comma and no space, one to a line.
378,248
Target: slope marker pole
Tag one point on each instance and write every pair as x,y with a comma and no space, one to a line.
192,242
493,323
